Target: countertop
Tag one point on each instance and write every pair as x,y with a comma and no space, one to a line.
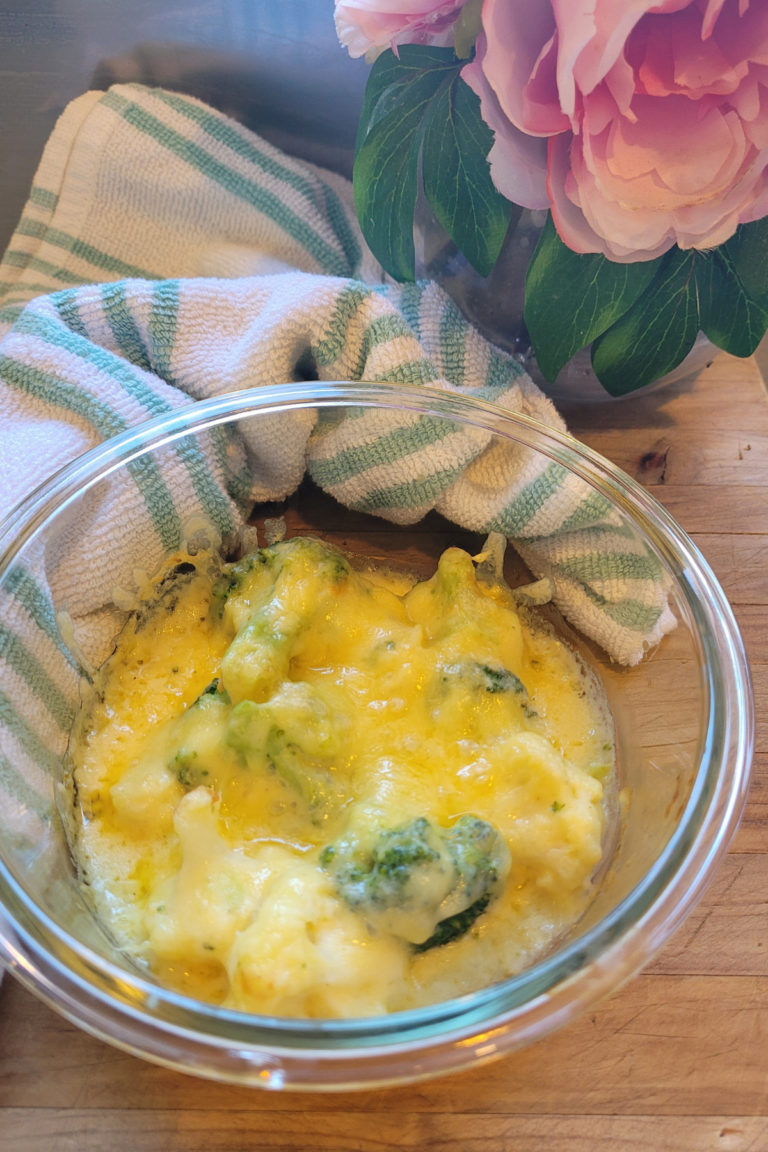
675,1062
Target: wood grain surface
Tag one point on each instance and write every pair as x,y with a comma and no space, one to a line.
675,1062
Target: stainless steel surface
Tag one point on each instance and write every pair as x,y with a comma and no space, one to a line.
275,65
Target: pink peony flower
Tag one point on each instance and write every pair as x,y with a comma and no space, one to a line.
654,113
369,24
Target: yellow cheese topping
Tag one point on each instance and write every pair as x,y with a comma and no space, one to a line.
299,793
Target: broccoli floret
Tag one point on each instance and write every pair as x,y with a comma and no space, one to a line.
259,656
233,577
198,739
468,676
480,857
302,580
294,734
424,883
339,568
299,771
402,860
219,694
166,594
189,773
500,680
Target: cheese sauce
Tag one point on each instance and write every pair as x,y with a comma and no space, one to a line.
298,792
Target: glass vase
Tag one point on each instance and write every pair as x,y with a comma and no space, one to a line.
495,305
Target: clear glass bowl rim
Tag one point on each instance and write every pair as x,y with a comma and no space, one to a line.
541,998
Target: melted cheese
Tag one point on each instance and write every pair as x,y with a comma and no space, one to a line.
292,783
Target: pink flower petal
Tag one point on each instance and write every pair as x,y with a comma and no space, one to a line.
652,57
746,98
572,224
515,33
744,37
671,55
700,66
572,228
620,80
536,94
714,8
599,110
717,234
759,206
756,129
518,161
703,221
576,30
613,22
687,154
604,201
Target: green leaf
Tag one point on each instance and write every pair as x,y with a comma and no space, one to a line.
385,174
457,178
656,333
748,249
396,72
571,299
728,314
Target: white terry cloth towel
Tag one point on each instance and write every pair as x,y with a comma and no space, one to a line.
169,255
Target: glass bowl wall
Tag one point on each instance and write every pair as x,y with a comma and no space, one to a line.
684,739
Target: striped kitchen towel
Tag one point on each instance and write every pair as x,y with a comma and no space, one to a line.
167,254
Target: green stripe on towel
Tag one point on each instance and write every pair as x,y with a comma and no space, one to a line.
28,738
29,668
250,191
123,326
227,133
59,393
527,503
43,198
39,605
387,449
19,790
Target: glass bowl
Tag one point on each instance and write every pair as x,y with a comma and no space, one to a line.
684,726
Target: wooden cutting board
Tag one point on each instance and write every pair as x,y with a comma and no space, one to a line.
675,1062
